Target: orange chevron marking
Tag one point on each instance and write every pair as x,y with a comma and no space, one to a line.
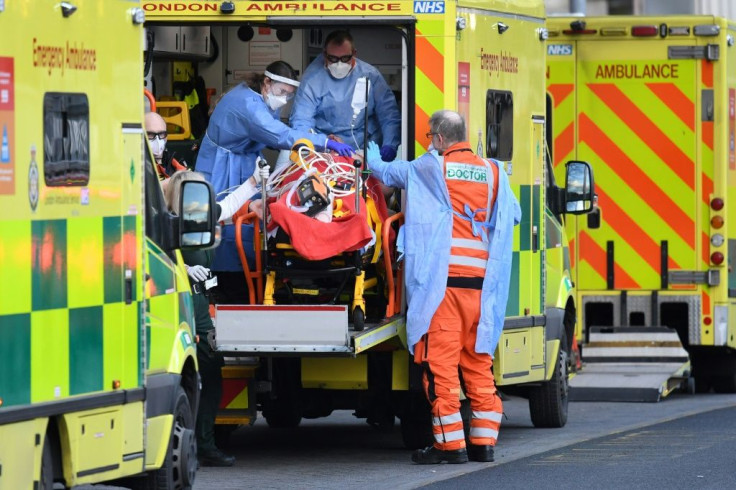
560,91
679,103
593,254
650,134
705,245
420,127
706,75
707,188
429,61
635,236
564,143
706,303
571,246
708,133
640,182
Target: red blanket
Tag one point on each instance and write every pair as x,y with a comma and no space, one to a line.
316,240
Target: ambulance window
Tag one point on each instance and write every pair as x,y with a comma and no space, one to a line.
499,125
66,139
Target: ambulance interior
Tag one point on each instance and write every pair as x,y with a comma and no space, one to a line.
218,57
210,60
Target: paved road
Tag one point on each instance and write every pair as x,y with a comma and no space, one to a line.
340,452
691,452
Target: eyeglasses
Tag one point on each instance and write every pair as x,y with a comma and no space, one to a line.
153,135
431,135
335,59
279,90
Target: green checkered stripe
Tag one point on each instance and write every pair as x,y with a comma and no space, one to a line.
65,327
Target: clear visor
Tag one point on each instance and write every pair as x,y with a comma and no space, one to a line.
279,89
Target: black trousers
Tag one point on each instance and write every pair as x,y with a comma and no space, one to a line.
210,365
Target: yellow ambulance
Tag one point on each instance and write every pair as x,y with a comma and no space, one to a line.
483,59
651,103
98,371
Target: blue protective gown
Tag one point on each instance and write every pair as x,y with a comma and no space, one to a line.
323,103
426,237
240,127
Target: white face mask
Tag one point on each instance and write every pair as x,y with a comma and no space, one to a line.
276,101
158,146
339,70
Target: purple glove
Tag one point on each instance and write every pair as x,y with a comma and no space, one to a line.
388,153
340,148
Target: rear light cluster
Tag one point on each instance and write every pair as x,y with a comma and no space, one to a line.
716,223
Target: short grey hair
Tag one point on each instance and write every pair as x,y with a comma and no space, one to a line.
172,191
449,124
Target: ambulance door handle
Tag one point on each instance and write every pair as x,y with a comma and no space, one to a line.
128,286
535,239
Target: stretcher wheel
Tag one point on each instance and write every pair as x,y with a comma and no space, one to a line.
358,320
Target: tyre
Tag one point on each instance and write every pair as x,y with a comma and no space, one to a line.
180,464
416,422
725,383
46,478
282,416
358,320
548,402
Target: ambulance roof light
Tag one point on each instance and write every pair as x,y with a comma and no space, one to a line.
578,27
707,30
613,31
227,7
644,31
679,30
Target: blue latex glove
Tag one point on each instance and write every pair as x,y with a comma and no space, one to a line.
373,154
388,153
340,148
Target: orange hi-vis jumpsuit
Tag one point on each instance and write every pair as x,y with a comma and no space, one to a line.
450,341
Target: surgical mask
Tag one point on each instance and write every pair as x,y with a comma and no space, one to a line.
339,70
276,101
158,145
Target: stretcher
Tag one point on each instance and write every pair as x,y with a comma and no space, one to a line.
328,244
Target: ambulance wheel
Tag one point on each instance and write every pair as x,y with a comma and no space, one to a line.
548,402
725,383
285,416
358,319
180,464
46,480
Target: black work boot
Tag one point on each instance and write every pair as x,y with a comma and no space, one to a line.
215,457
480,453
432,455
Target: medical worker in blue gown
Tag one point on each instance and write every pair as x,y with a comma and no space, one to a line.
244,122
331,98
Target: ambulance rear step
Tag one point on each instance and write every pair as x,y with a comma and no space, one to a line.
296,329
631,364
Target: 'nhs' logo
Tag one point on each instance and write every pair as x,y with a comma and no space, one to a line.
426,7
559,49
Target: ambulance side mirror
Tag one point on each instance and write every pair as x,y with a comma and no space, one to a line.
579,188
197,221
